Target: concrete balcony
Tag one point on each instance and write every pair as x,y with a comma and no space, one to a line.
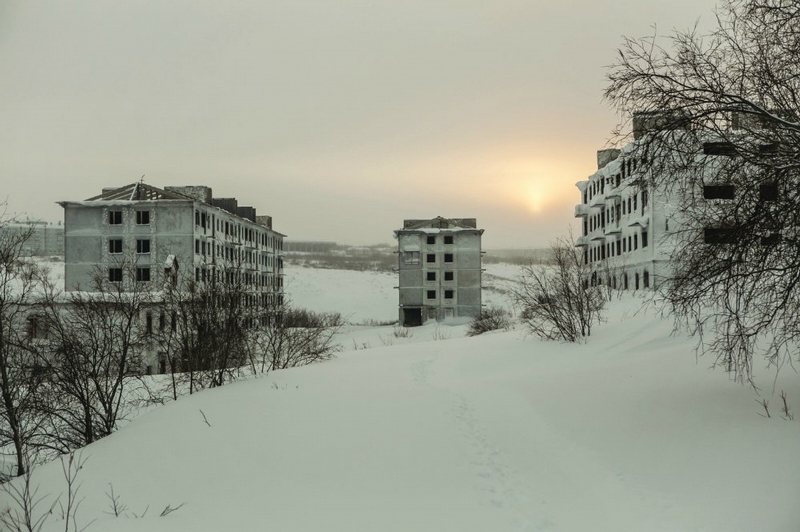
581,209
582,241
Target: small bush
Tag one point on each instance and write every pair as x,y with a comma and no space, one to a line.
491,319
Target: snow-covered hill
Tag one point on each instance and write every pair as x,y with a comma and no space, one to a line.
628,432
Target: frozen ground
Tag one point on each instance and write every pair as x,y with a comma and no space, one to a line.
628,432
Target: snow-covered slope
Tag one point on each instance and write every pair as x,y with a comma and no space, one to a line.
503,432
363,297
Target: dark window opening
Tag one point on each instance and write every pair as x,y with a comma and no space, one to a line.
719,148
431,294
646,279
114,217
148,320
142,217
115,275
636,285
768,192
448,294
431,240
431,257
718,235
431,276
448,276
719,192
143,245
448,257
448,239
619,247
143,274
115,245
644,239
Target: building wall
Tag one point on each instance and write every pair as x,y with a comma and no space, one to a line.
626,232
439,271
45,239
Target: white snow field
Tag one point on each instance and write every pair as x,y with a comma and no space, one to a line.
502,432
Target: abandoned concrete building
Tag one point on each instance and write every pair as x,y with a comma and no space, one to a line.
139,235
163,232
44,240
439,262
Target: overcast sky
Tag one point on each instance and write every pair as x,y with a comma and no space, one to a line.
339,118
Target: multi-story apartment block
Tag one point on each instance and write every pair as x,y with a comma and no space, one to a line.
439,262
44,239
153,236
624,226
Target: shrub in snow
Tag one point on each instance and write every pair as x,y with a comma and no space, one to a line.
555,301
491,319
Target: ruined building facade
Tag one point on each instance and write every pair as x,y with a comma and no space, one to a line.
439,263
143,234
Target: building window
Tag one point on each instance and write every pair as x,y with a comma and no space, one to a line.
143,246
719,192
646,279
431,294
197,246
431,276
448,294
719,235
768,192
719,148
619,247
114,217
115,275
148,323
142,217
115,245
448,257
636,279
448,239
431,257
448,276
635,241
143,274
644,239
431,240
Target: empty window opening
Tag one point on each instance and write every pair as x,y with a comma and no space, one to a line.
719,148
448,276
768,192
646,279
114,217
143,245
448,257
448,294
431,294
431,276
719,235
431,257
142,217
431,240
448,239
719,192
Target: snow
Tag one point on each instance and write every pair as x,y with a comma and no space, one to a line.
502,432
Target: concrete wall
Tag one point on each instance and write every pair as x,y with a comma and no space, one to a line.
439,272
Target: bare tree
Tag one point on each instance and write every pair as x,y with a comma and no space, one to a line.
715,119
19,377
557,301
94,352
296,338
